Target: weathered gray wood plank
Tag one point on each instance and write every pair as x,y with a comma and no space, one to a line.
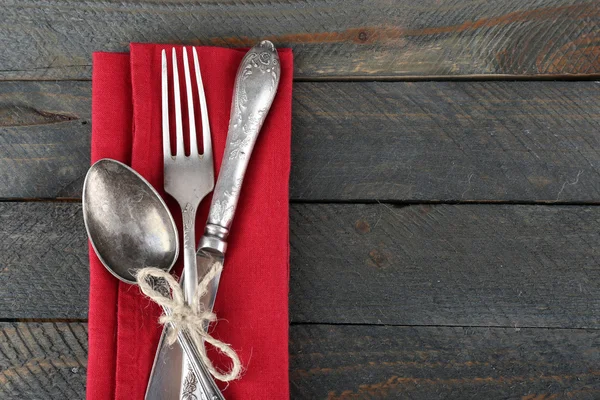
44,138
43,261
40,361
425,141
47,361
334,38
447,141
367,362
467,265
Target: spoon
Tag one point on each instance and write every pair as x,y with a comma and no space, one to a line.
130,228
127,221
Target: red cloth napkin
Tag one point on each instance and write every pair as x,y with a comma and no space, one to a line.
252,302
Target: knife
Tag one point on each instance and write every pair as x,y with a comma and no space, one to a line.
256,83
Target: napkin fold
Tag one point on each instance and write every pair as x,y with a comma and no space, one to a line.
252,302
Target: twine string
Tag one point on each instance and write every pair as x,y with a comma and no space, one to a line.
156,285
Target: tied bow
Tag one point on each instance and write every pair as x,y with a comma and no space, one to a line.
190,318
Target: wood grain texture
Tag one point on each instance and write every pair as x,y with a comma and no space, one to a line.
47,361
367,362
330,38
44,138
447,141
43,261
41,361
465,265
400,141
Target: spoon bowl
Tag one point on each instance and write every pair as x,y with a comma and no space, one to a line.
128,223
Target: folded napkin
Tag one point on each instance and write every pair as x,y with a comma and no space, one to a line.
252,302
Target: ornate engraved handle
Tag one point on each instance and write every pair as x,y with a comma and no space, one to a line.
255,86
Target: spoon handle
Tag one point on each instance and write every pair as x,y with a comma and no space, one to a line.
195,361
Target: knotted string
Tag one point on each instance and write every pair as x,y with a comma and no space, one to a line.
191,318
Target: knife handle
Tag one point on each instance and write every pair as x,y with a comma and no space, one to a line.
255,87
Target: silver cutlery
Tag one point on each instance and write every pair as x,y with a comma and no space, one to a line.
188,179
130,227
256,83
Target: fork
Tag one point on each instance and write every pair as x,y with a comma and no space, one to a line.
188,179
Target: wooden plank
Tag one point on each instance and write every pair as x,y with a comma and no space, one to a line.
331,39
43,261
467,265
44,138
47,360
425,141
43,360
367,362
447,141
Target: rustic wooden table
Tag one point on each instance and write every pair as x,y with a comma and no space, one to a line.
444,190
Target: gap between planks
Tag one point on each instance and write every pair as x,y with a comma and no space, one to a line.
395,78
394,203
553,328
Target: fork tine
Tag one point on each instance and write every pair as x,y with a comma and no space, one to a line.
165,107
180,152
206,140
190,103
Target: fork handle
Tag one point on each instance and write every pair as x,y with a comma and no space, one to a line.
255,87
189,252
189,282
209,388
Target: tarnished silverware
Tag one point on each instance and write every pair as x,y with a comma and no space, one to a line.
188,179
130,227
255,87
